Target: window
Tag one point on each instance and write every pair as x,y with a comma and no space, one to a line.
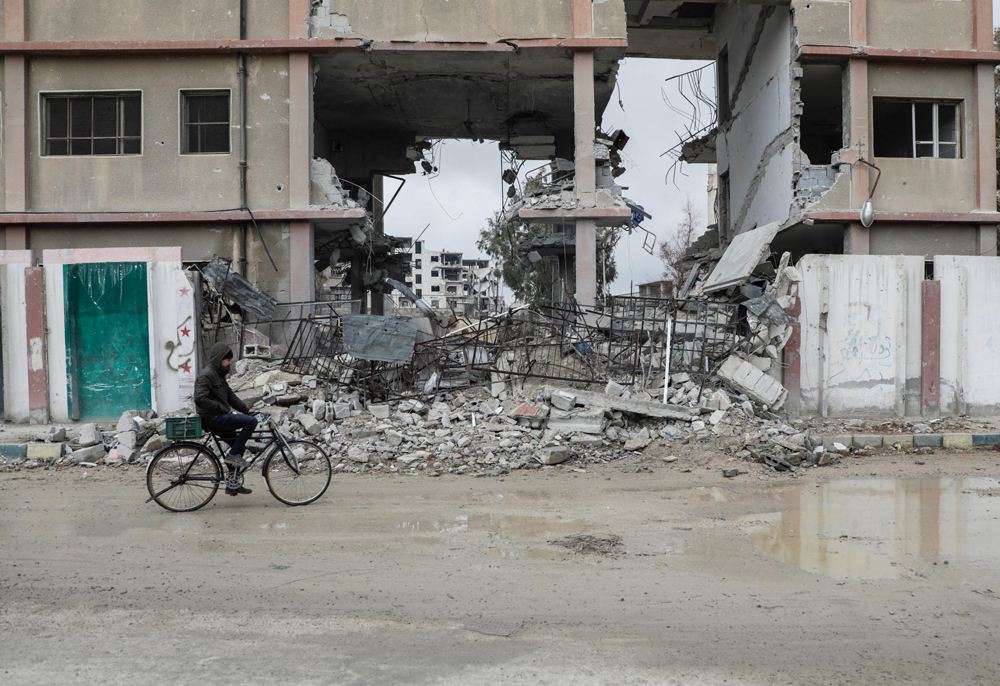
420,293
409,284
722,203
92,124
916,128
417,247
452,289
206,122
418,264
435,303
420,278
822,120
434,258
434,273
435,289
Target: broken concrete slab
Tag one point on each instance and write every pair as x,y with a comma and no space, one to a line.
379,411
563,400
94,453
577,422
636,444
90,435
313,426
554,455
586,441
645,408
53,434
746,379
744,253
614,389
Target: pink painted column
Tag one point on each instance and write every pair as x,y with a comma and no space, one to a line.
298,18
792,358
982,25
585,123
930,349
985,150
857,239
38,392
300,129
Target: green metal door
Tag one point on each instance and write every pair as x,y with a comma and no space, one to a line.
107,339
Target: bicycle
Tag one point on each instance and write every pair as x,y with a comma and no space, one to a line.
186,475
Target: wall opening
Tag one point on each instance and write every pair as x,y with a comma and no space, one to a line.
916,128
722,88
822,121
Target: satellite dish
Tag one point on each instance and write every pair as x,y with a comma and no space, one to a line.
867,213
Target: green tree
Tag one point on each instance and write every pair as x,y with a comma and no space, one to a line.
532,281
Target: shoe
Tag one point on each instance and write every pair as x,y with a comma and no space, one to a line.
238,491
237,460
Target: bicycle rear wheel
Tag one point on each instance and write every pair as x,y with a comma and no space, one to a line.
299,476
183,477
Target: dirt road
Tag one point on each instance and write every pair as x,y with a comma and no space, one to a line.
828,578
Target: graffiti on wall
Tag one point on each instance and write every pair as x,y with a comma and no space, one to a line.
180,351
866,347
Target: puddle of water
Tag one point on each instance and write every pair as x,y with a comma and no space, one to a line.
513,526
878,528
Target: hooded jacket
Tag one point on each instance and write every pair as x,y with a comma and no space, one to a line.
212,395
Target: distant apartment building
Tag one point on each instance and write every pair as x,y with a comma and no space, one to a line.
447,281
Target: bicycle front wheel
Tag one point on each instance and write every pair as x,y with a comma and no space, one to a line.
183,477
299,474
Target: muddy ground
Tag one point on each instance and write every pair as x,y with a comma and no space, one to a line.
875,571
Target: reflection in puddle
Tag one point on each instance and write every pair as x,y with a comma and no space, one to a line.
875,528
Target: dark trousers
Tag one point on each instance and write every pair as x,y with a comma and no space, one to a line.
227,425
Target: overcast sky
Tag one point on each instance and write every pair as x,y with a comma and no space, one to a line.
468,190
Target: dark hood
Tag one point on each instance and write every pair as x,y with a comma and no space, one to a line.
219,352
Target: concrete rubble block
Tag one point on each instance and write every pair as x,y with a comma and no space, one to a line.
410,458
53,434
563,400
288,399
127,421
394,438
747,380
788,444
716,417
93,453
636,444
464,441
357,454
956,441
251,396
679,379
379,411
554,455
591,422
586,441
313,426
296,410
341,411
613,389
497,387
319,409
697,425
866,441
639,407
826,458
44,451
155,443
761,363
276,376
834,444
126,439
928,441
730,473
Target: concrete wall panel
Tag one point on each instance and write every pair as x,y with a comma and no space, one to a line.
926,240
918,185
861,334
486,21
15,339
161,179
970,334
927,24
173,333
57,20
823,22
760,88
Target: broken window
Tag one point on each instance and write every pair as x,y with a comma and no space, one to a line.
822,120
89,124
434,258
417,264
452,289
722,75
435,289
435,303
206,122
916,128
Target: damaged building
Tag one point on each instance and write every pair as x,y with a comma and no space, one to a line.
136,152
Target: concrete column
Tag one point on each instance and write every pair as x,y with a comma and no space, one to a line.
586,180
856,239
298,18
301,261
378,200
985,150
861,174
859,22
982,25
986,243
38,391
792,358
930,349
15,151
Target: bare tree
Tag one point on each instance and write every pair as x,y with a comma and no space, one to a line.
673,248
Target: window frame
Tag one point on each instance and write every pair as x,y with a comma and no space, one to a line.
957,103
99,92
182,125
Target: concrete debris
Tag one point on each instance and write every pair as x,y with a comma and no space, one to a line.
90,435
53,434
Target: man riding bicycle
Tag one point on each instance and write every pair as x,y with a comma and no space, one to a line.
215,400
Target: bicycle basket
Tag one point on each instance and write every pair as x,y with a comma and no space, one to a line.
183,427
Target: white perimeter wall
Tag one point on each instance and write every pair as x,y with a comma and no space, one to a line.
970,334
861,334
15,333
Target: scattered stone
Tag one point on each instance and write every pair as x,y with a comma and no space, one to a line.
555,455
379,411
613,389
94,453
90,435
636,444
53,434
563,400
313,426
730,473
